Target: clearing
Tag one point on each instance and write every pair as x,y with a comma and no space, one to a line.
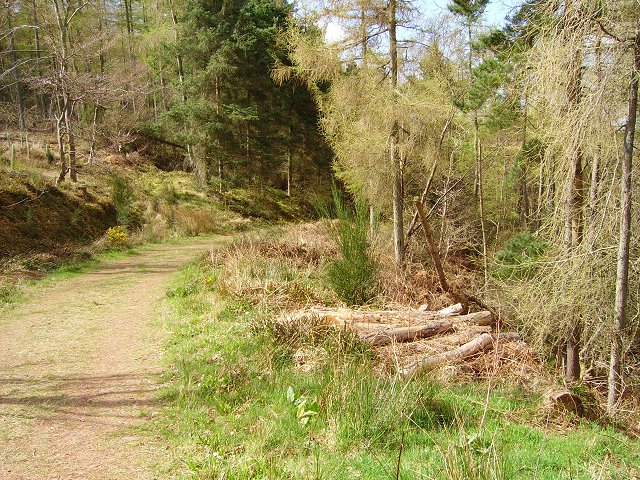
78,368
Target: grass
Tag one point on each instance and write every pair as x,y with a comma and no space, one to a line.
233,391
12,289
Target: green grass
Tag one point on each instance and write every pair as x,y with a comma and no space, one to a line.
229,416
12,290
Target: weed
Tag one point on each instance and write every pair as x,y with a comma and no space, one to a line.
9,292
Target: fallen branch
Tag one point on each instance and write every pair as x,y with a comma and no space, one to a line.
386,336
483,342
345,317
433,250
478,318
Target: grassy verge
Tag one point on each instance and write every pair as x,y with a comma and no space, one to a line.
249,398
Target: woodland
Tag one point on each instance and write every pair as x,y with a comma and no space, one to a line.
495,160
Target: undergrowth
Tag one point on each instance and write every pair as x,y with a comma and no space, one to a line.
250,397
353,275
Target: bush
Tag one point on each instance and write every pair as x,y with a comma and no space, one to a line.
118,237
517,258
353,275
169,193
122,197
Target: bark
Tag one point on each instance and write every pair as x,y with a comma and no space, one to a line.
524,191
396,166
174,19
413,226
485,253
385,336
92,148
344,317
433,251
482,343
220,158
63,159
73,167
622,274
482,318
574,221
16,78
36,44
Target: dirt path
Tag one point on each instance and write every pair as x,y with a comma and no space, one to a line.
78,364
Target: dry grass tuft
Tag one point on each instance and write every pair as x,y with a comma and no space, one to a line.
283,275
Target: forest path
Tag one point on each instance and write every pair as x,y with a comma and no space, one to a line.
79,362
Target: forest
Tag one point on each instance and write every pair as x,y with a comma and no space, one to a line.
443,172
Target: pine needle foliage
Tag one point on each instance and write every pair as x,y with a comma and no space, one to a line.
122,197
353,275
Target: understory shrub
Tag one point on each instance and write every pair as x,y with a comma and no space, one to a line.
118,237
518,257
353,275
122,196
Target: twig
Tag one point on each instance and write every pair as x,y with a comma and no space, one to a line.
400,455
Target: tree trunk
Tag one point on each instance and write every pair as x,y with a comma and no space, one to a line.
71,142
36,46
435,256
396,167
485,253
63,160
16,78
92,148
574,221
220,158
622,275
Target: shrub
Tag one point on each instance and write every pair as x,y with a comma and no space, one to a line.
353,275
169,193
118,237
122,197
49,156
517,258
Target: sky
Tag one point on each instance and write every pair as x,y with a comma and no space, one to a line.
494,15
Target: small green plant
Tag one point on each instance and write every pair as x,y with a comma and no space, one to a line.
9,292
30,217
122,196
169,194
518,257
76,215
353,275
49,156
305,408
118,237
472,457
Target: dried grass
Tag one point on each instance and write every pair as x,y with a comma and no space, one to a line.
283,275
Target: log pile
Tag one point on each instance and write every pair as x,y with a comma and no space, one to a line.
431,338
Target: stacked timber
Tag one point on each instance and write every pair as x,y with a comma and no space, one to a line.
463,335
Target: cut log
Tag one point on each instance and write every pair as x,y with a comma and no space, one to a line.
477,318
450,341
344,317
483,342
566,401
451,310
381,337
